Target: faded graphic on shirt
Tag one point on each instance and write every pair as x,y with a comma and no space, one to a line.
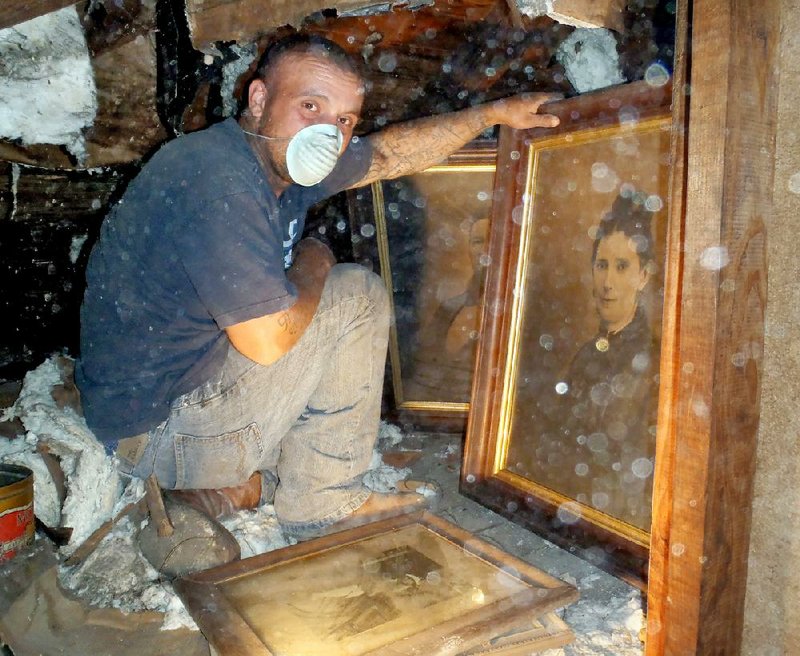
288,244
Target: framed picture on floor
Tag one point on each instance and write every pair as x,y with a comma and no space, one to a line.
399,586
562,431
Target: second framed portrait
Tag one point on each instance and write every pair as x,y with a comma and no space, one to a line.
432,231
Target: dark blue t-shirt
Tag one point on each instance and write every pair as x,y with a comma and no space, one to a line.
197,243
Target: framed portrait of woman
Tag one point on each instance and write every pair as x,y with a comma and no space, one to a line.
562,432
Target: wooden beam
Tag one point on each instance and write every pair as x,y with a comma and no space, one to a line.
245,20
705,464
13,12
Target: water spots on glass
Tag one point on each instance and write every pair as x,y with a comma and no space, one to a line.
617,466
640,362
569,512
387,62
714,258
688,367
653,203
561,388
601,393
470,478
693,503
604,178
367,230
678,549
628,115
600,500
485,259
546,342
642,467
728,285
703,560
517,214
341,225
700,408
597,442
515,155
434,578
656,75
581,469
512,506
483,196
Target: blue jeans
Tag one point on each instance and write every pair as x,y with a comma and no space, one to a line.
310,419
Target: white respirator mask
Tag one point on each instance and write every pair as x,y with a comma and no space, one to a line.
312,152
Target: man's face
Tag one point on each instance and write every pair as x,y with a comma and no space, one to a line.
304,89
618,277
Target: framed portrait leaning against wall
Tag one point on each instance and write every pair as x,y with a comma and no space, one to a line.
563,425
432,232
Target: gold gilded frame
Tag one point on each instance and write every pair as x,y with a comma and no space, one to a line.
486,473
407,404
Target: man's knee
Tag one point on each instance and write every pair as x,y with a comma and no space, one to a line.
353,279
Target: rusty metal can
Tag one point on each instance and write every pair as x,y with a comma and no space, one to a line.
16,510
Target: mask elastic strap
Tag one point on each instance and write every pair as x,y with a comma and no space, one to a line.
261,136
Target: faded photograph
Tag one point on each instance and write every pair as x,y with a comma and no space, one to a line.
605,420
583,423
437,223
367,594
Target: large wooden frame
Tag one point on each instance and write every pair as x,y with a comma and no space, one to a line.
523,452
399,586
723,158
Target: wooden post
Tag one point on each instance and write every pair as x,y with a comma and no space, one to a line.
711,370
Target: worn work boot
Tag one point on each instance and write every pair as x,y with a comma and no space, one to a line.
197,542
223,501
408,497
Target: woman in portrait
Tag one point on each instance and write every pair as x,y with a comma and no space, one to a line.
448,337
610,392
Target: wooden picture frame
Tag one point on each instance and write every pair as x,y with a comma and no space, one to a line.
562,433
430,234
398,586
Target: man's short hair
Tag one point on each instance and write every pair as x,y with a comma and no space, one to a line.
306,43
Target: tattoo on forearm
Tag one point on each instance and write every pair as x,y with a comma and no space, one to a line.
287,324
418,144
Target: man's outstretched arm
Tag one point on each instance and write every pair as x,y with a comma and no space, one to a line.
412,146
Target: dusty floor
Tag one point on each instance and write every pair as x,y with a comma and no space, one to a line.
96,615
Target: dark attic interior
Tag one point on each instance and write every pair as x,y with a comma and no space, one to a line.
609,463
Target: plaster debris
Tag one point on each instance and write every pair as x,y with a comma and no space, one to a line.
47,89
232,71
590,59
75,247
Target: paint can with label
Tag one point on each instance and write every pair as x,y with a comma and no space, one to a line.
16,510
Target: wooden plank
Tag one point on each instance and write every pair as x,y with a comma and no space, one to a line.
590,13
696,606
245,20
127,126
13,12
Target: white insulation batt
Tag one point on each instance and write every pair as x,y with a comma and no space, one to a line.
47,89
